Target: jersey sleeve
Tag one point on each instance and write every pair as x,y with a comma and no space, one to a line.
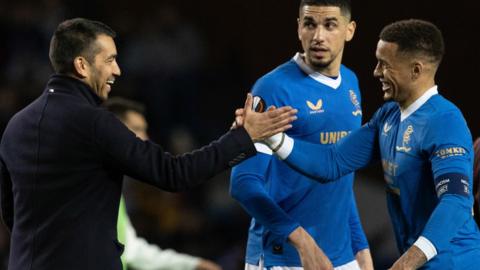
359,239
327,163
450,152
247,182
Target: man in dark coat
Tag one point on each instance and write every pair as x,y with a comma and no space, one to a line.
62,158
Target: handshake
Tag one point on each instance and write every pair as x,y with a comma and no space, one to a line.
266,127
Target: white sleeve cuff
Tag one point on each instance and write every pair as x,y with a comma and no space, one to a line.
426,247
263,148
286,148
281,144
274,141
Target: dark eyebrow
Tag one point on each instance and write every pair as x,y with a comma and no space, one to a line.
329,19
308,18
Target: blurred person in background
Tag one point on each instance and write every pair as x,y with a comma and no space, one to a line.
139,254
63,158
282,202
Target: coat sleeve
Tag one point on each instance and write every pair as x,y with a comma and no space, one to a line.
6,196
147,161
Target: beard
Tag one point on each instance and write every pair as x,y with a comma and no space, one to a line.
319,64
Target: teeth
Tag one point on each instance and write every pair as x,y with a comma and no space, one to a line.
385,86
110,82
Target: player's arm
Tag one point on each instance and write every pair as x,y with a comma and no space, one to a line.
247,182
6,196
247,186
359,240
325,164
451,157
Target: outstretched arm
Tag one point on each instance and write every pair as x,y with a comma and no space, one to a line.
148,162
325,164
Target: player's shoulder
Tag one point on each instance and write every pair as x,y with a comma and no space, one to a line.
285,71
388,108
440,108
275,80
442,116
348,73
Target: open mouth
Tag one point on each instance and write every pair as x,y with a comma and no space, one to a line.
385,86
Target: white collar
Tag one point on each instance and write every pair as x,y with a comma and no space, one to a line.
418,103
317,76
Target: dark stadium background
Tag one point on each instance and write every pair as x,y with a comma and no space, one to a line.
192,63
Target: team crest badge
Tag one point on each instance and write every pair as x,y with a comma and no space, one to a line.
356,104
406,140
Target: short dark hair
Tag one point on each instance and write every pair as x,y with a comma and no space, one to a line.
75,37
344,5
416,37
120,106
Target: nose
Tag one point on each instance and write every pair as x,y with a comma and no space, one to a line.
116,69
318,36
377,71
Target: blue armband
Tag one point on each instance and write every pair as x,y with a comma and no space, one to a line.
452,183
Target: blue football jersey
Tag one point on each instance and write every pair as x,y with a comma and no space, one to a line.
280,199
427,158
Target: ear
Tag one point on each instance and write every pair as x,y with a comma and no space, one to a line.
299,29
351,26
82,66
417,69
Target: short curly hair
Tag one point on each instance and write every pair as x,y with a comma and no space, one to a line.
416,37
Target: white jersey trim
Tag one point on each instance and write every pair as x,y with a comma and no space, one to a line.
418,103
317,76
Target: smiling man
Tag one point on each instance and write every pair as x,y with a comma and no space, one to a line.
63,157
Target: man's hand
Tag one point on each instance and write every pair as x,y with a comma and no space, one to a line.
207,265
311,255
412,259
263,125
364,259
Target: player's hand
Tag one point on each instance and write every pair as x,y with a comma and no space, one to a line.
263,125
207,265
311,256
238,122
